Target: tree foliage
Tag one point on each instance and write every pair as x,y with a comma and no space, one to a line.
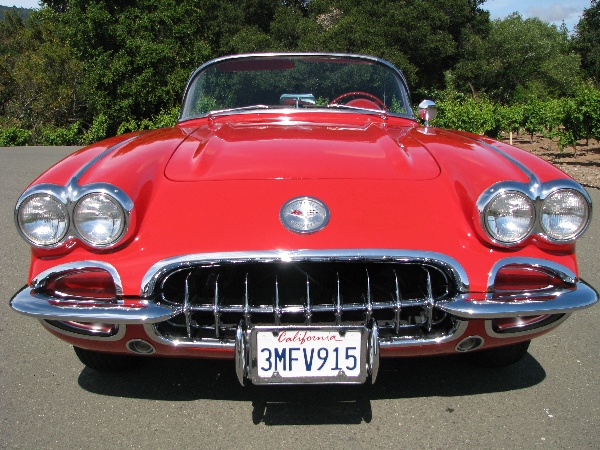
587,40
519,58
39,76
78,70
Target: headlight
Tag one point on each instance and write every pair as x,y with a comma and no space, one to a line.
509,217
43,219
99,219
564,215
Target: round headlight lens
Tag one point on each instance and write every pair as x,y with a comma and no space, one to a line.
564,215
99,219
43,219
509,217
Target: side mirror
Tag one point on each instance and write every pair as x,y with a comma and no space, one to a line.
427,111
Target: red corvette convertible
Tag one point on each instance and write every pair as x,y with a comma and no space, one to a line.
301,222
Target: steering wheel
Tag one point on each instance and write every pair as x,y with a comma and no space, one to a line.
361,103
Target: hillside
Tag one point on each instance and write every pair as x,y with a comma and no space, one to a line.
22,12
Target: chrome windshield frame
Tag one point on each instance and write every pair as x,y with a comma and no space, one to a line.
371,59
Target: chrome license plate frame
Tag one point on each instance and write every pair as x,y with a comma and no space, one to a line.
308,354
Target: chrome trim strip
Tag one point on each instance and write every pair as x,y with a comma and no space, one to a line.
457,332
387,343
116,337
74,181
489,329
565,301
566,275
184,261
534,181
205,343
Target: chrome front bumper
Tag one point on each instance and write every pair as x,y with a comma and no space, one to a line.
147,311
31,303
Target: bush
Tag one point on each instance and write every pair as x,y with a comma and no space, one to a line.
581,117
62,136
98,130
164,119
13,136
477,115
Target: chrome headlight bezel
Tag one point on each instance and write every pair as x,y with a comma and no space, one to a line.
509,217
568,205
54,208
71,197
99,219
538,194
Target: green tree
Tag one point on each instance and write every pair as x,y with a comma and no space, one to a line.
423,38
39,77
517,59
136,55
587,40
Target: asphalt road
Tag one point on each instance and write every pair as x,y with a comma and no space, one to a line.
551,399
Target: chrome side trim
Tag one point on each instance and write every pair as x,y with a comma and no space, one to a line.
489,329
528,304
565,274
184,261
116,337
534,181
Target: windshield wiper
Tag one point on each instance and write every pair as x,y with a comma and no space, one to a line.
358,108
234,110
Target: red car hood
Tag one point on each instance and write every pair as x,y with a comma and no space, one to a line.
291,150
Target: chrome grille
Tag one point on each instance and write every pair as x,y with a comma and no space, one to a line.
214,297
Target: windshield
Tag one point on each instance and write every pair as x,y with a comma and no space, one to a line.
295,81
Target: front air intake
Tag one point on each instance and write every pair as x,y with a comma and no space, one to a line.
214,298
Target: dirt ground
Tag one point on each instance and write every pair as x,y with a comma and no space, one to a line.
583,165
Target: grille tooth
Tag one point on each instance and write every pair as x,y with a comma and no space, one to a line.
186,307
247,315
308,307
397,305
429,302
216,310
277,310
338,304
401,296
369,300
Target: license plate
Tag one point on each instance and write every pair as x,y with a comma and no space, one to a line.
308,355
